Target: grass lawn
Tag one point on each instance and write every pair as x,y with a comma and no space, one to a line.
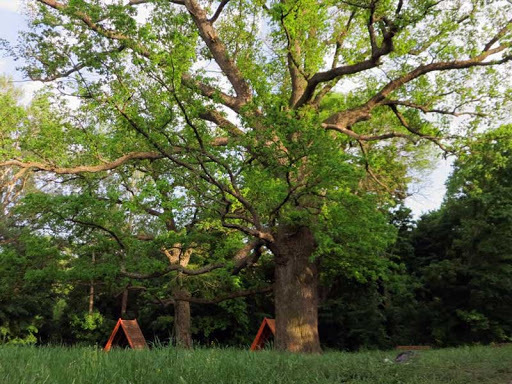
169,365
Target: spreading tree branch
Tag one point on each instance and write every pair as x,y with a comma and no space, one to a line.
83,168
345,119
229,296
174,267
217,13
377,52
219,51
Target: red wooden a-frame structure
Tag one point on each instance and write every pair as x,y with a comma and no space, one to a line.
126,333
266,331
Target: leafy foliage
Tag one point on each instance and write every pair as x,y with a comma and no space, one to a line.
203,128
462,252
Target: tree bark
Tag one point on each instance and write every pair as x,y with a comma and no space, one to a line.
182,321
295,291
91,297
91,288
124,303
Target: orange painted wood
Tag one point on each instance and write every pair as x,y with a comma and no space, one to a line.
132,332
108,346
266,331
413,347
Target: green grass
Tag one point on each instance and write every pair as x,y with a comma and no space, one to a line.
169,365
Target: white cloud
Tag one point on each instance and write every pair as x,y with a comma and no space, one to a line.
29,88
10,5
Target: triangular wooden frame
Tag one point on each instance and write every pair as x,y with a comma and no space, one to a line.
132,332
267,330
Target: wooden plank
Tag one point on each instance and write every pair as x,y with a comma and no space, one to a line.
266,330
108,346
272,325
134,334
413,347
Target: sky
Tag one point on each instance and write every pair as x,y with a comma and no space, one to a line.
11,21
426,195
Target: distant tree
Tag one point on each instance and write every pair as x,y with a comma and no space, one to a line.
463,252
377,307
28,269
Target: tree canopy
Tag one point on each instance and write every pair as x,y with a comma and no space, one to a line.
291,123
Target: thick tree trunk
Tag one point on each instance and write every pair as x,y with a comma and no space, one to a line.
182,321
295,291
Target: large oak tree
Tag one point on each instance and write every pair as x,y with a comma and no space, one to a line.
281,119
